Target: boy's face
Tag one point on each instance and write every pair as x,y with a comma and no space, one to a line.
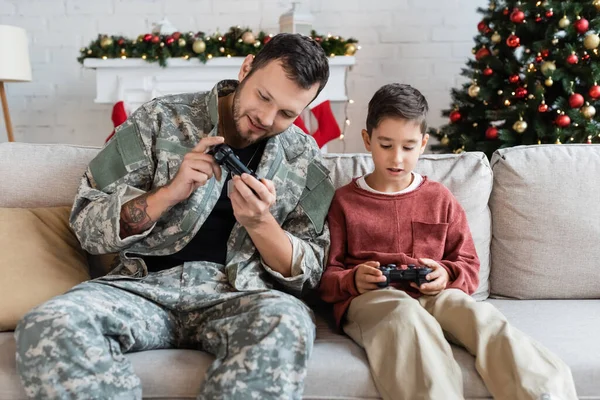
267,102
395,145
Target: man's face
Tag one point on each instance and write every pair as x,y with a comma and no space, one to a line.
267,102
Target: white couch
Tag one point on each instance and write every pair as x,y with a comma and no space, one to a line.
535,218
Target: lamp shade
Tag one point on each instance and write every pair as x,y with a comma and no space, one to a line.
14,55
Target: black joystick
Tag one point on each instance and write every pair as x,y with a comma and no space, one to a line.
225,156
416,274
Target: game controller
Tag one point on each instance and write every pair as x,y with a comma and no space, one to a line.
416,274
225,156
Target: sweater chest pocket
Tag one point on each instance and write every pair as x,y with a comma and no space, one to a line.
429,240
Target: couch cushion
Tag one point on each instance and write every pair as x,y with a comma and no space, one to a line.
41,175
469,178
546,222
40,258
338,368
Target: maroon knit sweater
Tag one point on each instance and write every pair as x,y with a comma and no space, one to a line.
396,229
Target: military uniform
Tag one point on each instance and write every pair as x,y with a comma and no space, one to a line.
244,313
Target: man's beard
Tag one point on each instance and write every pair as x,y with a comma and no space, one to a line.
235,138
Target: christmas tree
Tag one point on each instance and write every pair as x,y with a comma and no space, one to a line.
534,78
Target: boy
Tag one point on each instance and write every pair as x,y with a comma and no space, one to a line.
394,215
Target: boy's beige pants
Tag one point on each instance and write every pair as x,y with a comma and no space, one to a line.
406,341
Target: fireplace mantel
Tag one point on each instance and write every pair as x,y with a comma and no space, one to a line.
135,81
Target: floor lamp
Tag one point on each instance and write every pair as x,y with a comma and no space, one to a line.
14,65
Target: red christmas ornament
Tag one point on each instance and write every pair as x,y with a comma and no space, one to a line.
576,100
543,107
488,71
455,116
520,92
514,78
582,25
482,26
513,41
585,57
482,53
538,18
594,92
539,59
267,39
170,40
517,16
176,35
491,133
121,42
573,59
506,11
155,39
147,37
563,121
549,13
545,53
318,39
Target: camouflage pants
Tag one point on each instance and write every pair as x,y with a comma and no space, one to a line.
72,346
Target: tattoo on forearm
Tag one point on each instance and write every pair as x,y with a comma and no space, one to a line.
134,217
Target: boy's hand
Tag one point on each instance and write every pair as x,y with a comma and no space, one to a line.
438,278
367,275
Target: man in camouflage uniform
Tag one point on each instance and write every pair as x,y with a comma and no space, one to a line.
154,195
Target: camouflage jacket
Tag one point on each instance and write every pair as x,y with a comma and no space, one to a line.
146,152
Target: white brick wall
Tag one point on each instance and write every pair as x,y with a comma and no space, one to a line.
424,43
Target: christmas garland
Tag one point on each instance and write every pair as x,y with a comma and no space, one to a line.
237,42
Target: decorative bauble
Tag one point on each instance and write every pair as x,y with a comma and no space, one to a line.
543,107
248,37
555,41
573,59
520,126
549,13
517,16
588,111
513,41
155,39
474,90
181,42
106,42
455,116
445,141
539,58
488,71
267,39
514,78
564,22
591,41
576,100
176,35
545,53
594,92
350,49
520,92
548,68
581,25
199,46
121,42
549,82
563,120
170,40
482,53
496,38
596,4
585,56
538,18
506,11
482,26
491,133
222,49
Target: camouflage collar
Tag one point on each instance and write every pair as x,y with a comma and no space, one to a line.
222,88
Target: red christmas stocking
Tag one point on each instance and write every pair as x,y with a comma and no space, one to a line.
328,128
300,124
119,115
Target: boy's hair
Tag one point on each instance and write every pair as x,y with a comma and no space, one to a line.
397,100
303,59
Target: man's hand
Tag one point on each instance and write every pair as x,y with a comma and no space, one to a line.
438,278
196,169
251,200
367,276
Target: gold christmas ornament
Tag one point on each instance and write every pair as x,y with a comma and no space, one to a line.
591,41
496,38
474,90
564,22
548,68
248,37
549,82
445,141
588,111
596,4
520,126
199,46
222,49
500,92
507,102
181,42
350,49
106,42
